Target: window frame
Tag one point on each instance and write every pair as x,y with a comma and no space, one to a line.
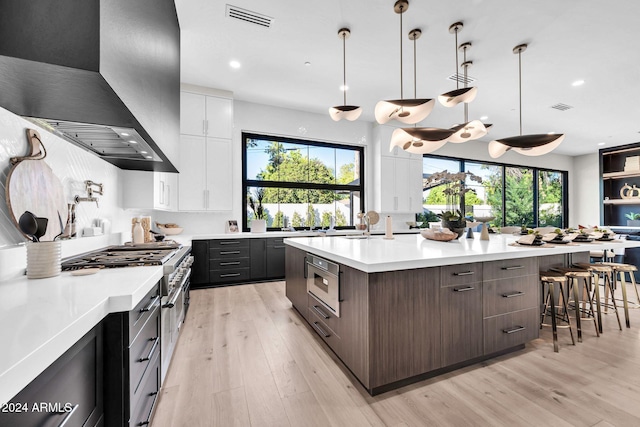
536,172
248,183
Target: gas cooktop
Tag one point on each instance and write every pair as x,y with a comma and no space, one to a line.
123,256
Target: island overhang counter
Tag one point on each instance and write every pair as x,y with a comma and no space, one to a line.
411,308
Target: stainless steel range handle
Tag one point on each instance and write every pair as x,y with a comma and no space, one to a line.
151,305
156,341
153,406
172,302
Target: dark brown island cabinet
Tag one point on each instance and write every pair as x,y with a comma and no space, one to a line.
399,327
222,262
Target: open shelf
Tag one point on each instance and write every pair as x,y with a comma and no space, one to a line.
621,202
621,174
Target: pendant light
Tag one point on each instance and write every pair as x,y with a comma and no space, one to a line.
408,111
528,145
475,129
418,140
466,94
347,112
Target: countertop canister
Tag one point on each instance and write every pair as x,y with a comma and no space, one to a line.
43,259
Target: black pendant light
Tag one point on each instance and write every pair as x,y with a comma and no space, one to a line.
408,111
458,95
347,112
418,140
528,145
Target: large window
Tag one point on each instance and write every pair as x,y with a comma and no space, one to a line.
514,195
304,184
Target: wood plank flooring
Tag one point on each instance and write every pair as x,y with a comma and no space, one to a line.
246,358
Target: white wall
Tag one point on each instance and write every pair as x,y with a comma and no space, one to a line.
584,185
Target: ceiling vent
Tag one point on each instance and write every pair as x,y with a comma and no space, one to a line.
457,77
562,107
249,16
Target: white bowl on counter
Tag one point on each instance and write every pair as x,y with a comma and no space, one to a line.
170,231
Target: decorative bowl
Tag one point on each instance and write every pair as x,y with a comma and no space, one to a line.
170,231
442,235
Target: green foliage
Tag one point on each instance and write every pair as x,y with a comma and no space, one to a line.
426,217
325,221
347,173
632,216
255,203
341,220
311,216
278,220
296,220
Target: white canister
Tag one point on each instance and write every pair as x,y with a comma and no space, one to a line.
43,259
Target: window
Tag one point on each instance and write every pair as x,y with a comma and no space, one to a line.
514,195
304,183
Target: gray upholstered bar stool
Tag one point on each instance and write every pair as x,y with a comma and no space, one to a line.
574,276
551,279
605,271
619,272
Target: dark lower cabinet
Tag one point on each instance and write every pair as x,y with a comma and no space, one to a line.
132,363
69,392
258,259
296,284
200,267
275,258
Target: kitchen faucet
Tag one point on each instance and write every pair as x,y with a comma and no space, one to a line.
89,186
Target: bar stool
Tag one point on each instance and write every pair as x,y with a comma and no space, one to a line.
574,275
619,271
550,279
606,271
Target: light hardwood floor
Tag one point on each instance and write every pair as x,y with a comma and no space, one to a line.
246,358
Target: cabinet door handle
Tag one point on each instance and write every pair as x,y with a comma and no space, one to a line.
168,201
230,242
230,263
155,340
305,267
465,289
464,273
319,329
151,304
514,329
320,312
68,416
229,252
230,275
515,267
161,193
513,294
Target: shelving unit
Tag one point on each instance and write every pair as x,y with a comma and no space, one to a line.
613,179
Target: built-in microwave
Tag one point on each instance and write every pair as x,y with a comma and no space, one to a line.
323,282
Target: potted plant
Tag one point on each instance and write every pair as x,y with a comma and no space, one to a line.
453,218
259,222
633,219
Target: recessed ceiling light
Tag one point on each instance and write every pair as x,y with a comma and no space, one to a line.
601,143
577,83
344,88
124,134
132,141
234,64
148,157
484,117
143,152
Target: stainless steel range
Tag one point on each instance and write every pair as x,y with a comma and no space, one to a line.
176,263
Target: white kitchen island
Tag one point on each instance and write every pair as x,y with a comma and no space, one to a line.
411,308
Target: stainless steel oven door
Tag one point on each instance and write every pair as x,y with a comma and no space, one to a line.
323,282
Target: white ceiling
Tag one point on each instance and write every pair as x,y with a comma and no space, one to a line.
596,41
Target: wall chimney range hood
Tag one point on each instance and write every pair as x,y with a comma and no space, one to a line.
102,74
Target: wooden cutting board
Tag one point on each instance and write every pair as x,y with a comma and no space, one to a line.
32,186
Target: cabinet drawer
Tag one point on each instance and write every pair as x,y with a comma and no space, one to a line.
325,332
229,253
510,330
142,312
229,276
452,275
228,243
144,402
323,313
276,242
507,268
144,348
507,295
229,264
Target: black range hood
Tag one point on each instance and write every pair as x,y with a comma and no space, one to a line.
101,68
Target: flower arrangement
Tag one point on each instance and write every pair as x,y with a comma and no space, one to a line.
256,204
454,192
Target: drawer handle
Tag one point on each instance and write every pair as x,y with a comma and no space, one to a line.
514,329
463,273
230,275
515,267
513,294
320,312
279,247
230,263
151,305
155,340
233,242
229,253
465,289
319,329
69,415
153,405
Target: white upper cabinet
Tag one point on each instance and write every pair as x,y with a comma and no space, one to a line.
150,190
203,115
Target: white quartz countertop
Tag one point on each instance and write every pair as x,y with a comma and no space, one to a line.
404,252
314,233
42,318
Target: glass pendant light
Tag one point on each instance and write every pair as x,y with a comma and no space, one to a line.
347,112
408,111
418,140
528,145
456,96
